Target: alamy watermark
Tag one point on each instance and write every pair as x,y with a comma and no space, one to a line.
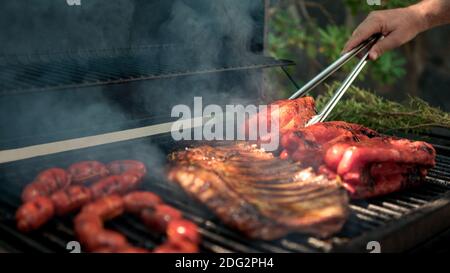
373,247
232,122
73,2
374,2
74,247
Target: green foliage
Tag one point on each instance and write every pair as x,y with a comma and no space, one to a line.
294,33
286,36
332,39
364,107
291,34
389,68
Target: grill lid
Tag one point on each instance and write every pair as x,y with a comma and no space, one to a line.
69,71
37,73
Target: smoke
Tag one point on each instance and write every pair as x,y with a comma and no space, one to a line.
38,27
208,35
198,35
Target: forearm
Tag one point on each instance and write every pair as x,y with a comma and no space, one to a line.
434,12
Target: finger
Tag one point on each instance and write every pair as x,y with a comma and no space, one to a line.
389,42
363,32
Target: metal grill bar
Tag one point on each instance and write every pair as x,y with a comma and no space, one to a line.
368,218
70,70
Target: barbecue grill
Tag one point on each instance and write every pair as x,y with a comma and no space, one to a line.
129,78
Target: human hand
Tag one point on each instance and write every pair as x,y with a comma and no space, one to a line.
398,26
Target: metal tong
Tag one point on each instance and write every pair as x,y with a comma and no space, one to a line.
363,47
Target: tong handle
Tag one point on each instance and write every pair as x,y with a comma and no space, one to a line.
341,91
335,66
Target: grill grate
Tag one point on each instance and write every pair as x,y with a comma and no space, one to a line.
372,219
30,73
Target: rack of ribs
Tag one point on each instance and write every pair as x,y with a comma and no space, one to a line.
261,195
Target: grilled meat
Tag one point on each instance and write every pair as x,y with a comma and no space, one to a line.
86,224
116,184
70,199
380,165
106,207
89,224
34,213
370,164
182,230
308,145
87,171
135,202
262,196
127,166
159,217
346,157
52,186
182,235
46,183
291,115
74,197
103,239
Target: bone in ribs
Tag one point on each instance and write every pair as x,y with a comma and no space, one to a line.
259,194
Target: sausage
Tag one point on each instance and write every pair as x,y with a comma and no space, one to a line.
103,239
87,171
34,214
182,230
123,166
86,224
135,202
105,208
46,183
182,235
106,186
130,181
115,184
89,224
158,218
91,233
284,155
70,199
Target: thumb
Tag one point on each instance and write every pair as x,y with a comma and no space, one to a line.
389,42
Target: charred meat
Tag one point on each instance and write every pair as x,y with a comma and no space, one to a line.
309,145
261,195
182,235
369,164
291,115
52,193
380,165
